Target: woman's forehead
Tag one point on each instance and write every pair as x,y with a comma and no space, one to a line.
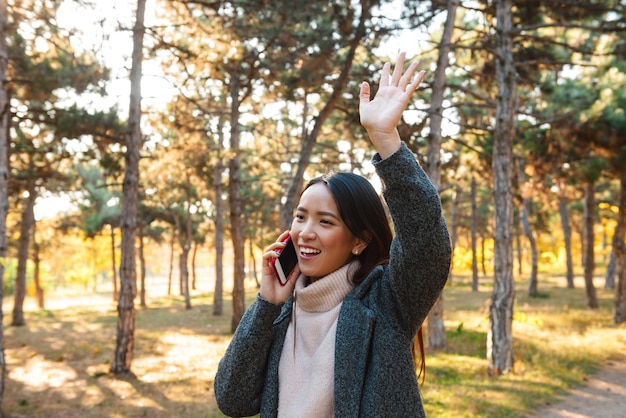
318,196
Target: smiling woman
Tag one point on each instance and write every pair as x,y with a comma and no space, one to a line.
338,338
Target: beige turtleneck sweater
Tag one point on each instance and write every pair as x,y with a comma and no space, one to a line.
306,370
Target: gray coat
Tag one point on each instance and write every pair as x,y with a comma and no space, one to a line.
374,371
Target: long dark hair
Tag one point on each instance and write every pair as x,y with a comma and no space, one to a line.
362,210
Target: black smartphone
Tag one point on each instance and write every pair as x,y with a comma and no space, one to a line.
286,262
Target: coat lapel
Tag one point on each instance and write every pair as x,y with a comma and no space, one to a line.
354,332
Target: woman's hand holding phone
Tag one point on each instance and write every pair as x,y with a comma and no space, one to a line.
273,289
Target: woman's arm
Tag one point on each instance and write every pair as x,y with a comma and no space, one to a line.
241,373
421,250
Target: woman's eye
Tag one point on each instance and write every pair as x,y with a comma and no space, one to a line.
299,216
326,222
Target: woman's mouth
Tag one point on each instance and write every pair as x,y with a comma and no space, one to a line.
307,252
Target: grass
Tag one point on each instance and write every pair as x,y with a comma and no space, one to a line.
58,365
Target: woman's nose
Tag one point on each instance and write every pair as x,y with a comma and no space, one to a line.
308,232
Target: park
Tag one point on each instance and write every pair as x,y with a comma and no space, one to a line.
58,366
150,153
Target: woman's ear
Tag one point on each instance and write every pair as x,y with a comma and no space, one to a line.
360,245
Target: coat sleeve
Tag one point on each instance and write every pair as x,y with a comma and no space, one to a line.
241,373
421,250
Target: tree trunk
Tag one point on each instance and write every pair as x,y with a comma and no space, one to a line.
171,270
142,268
123,356
473,227
500,335
517,236
185,237
454,225
234,187
5,111
567,237
39,294
182,270
483,263
184,275
252,263
589,241
435,329
524,219
609,278
114,265
581,235
218,297
26,226
194,277
532,281
619,314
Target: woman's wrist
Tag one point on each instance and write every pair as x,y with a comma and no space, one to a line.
386,143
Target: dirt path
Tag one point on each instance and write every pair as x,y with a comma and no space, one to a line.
603,396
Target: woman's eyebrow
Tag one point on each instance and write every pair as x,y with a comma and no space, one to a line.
319,213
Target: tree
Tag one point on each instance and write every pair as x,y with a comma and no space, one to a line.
435,326
26,227
123,355
619,313
500,336
4,177
526,207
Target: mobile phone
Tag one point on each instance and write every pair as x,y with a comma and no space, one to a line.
286,261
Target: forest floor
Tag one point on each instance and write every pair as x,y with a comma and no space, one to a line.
569,360
602,396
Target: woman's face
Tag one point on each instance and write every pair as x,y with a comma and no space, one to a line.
322,240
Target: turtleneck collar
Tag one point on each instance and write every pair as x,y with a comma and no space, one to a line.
327,292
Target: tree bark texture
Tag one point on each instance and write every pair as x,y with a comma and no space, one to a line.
142,267
500,336
609,277
619,314
39,293
170,273
23,244
4,178
588,245
114,265
123,356
518,245
218,292
473,227
454,224
236,223
194,276
525,221
185,238
532,280
567,238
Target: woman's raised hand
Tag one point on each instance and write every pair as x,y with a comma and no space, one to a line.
381,115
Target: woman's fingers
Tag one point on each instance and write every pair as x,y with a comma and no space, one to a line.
384,78
397,70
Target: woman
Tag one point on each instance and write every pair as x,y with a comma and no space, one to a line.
337,339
